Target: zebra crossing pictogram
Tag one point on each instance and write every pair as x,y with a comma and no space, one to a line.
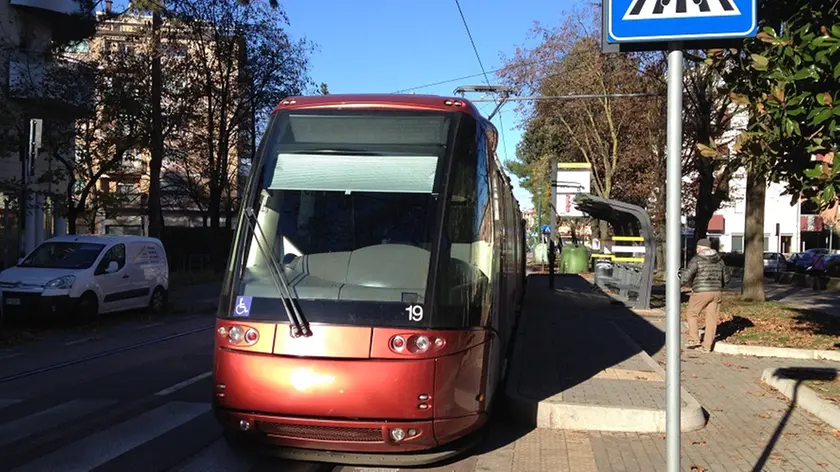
670,9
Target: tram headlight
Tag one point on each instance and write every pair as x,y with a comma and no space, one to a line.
239,335
421,343
397,434
235,334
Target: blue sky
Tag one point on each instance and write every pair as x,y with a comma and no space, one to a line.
370,46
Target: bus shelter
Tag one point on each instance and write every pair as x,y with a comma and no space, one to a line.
626,270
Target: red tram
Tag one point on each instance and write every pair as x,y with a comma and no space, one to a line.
373,286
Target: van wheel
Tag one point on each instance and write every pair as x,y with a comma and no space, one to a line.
88,306
157,302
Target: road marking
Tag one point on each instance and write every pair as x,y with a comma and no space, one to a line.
4,402
100,355
94,450
150,325
185,383
219,457
49,419
79,341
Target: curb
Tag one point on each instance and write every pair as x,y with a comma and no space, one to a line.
806,398
769,351
548,414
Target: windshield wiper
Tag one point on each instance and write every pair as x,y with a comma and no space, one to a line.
299,325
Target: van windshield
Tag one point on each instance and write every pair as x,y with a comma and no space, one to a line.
63,255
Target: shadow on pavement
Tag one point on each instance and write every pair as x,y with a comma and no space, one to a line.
732,327
800,375
571,334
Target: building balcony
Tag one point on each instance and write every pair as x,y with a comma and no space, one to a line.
37,78
69,20
65,7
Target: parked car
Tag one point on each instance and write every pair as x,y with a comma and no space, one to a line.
791,261
87,276
774,263
806,259
832,265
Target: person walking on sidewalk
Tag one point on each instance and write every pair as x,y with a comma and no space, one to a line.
707,275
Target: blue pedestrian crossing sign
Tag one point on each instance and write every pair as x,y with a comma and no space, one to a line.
653,21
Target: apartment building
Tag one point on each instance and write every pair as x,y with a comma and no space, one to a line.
789,226
183,184
33,85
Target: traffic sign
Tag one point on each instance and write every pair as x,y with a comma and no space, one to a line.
546,229
656,21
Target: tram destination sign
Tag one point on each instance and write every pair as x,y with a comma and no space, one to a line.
655,24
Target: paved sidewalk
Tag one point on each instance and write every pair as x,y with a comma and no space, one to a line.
825,301
575,369
750,427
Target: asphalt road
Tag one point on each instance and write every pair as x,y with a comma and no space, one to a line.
134,397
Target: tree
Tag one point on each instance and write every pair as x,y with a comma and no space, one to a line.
708,113
244,63
156,7
787,77
605,132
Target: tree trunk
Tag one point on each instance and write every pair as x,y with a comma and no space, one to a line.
603,228
753,284
156,161
705,206
215,204
72,215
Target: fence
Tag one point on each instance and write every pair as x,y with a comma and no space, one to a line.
196,249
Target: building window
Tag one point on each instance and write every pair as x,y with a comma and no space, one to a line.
738,243
766,243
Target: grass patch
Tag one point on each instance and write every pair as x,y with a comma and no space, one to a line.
184,278
826,390
776,324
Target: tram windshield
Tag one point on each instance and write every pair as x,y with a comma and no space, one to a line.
346,204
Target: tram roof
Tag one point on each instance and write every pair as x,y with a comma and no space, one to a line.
379,101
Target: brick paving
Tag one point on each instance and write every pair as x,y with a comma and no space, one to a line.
567,343
745,416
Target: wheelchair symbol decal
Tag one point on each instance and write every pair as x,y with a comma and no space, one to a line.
243,306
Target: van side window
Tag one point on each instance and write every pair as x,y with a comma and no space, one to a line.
116,253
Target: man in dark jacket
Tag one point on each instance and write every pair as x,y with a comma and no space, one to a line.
707,274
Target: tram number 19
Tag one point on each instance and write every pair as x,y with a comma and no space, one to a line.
415,312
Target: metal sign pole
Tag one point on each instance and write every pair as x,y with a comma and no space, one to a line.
672,256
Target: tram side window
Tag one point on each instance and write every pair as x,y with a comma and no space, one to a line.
465,277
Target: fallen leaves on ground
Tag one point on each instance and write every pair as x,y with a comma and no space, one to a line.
698,443
836,433
775,324
698,468
826,390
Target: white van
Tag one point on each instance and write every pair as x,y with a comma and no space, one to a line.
87,275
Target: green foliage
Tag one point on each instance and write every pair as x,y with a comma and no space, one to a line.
789,77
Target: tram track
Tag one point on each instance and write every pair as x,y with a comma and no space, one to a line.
101,354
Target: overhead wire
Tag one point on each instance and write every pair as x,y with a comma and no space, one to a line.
484,72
